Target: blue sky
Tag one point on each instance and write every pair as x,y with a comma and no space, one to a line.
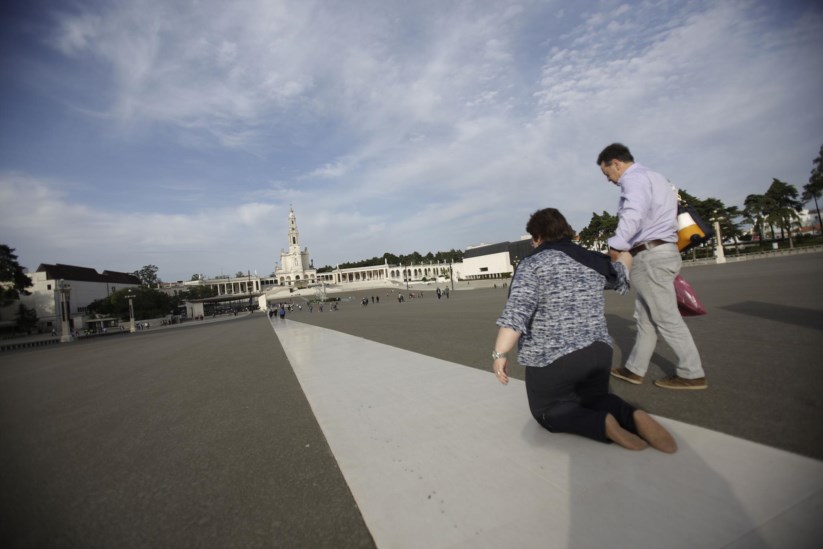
179,133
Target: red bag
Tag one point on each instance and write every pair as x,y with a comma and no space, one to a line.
687,302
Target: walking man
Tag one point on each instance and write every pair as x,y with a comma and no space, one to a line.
647,228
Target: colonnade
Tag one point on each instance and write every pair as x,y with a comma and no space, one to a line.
397,273
235,286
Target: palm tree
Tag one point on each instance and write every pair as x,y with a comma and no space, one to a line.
713,209
814,188
26,318
13,278
600,228
813,191
730,227
786,206
756,208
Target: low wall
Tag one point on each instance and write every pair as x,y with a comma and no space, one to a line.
16,345
731,258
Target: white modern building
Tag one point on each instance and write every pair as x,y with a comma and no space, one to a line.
70,288
486,261
808,222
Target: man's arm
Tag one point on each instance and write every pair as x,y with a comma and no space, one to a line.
634,202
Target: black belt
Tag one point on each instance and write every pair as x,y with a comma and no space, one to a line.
647,246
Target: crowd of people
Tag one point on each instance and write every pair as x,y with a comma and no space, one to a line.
281,308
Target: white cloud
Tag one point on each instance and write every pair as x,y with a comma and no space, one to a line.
391,128
76,33
334,170
53,229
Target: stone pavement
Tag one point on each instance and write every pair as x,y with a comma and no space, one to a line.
193,436
219,435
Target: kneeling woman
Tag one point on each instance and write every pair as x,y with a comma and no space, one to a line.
555,313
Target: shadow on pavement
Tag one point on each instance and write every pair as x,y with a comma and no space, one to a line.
808,318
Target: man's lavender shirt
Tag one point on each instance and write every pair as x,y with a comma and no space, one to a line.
647,209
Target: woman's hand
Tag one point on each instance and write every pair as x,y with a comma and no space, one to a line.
626,259
501,370
506,340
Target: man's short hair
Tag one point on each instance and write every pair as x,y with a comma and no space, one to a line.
615,151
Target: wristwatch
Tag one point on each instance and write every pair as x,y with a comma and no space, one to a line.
496,355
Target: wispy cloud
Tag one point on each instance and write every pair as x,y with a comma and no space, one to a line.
66,232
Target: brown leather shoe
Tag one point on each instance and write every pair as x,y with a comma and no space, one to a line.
682,383
627,375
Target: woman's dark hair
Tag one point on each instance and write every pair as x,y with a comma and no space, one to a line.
549,224
615,151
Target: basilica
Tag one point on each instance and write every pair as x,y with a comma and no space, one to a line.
295,269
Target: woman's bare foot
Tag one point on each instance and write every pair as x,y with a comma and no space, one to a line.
624,438
654,433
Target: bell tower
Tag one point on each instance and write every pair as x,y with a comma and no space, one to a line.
295,268
294,237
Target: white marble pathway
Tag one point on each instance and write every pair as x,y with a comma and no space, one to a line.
441,455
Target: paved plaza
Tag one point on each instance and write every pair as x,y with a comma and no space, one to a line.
382,425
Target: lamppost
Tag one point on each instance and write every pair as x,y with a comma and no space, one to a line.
65,311
451,273
719,253
249,288
131,313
